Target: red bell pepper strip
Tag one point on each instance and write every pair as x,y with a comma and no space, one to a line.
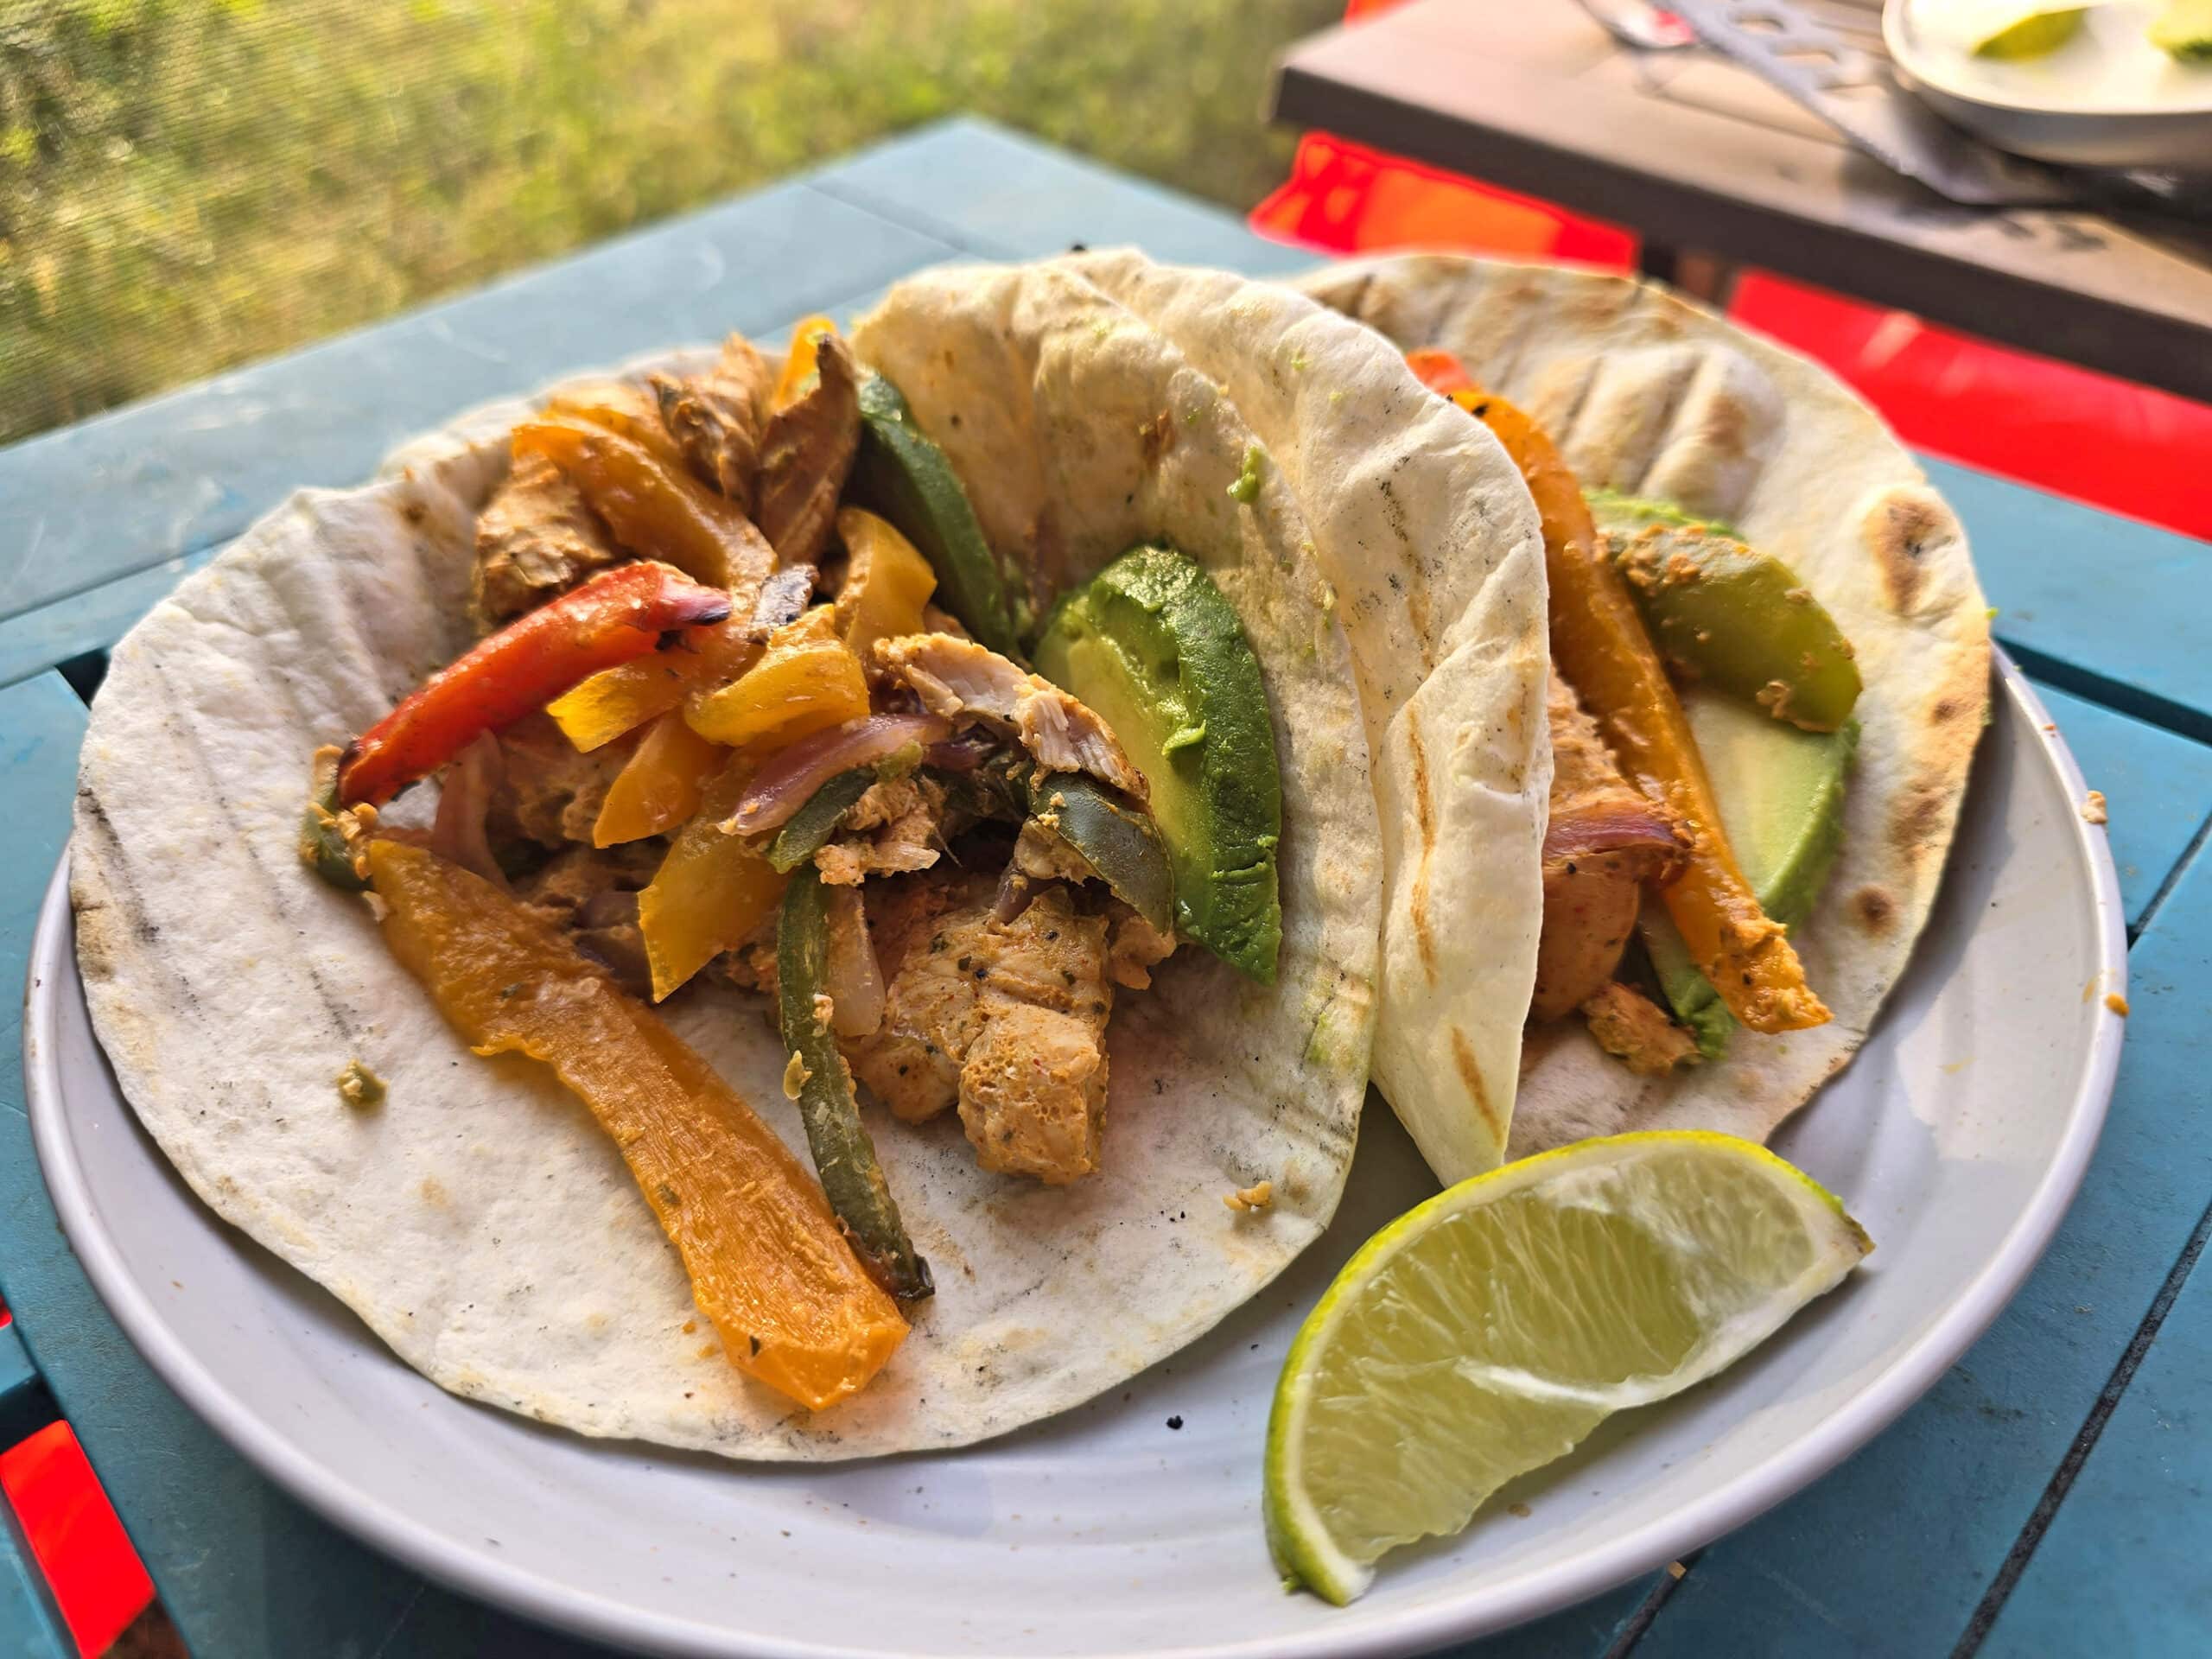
1438,369
619,614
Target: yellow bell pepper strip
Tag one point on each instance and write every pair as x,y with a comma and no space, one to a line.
655,509
627,411
712,891
660,785
1599,643
323,847
800,366
887,583
844,1156
617,615
705,659
621,699
767,1261
806,681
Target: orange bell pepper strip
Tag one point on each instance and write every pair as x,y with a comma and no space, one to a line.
805,682
617,615
656,509
659,784
619,700
713,890
768,1263
627,411
1600,644
800,366
1441,371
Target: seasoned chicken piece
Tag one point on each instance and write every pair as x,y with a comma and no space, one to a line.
924,928
1007,1019
1043,854
1136,947
719,418
783,599
956,677
1032,1094
535,539
894,828
548,792
1632,1027
1606,840
805,453
592,892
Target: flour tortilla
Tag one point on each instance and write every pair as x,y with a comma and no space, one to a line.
1649,395
1427,550
478,1221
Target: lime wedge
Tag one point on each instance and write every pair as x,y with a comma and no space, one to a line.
2185,31
2033,35
1487,1331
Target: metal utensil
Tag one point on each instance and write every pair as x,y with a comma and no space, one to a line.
1640,24
1859,95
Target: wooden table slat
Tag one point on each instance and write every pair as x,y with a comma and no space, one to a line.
30,1621
2098,603
2122,1567
1893,1551
999,195
1492,87
2157,791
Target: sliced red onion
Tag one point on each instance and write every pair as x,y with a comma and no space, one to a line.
787,782
849,974
465,793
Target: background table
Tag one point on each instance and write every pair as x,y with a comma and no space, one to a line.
1699,154
2043,1498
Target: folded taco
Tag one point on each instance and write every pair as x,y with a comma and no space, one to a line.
894,822
1770,671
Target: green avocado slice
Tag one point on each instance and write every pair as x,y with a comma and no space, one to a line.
1781,794
902,475
1729,615
1152,647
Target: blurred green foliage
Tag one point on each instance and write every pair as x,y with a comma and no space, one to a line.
190,184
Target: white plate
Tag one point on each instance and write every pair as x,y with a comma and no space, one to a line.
2107,98
1957,1137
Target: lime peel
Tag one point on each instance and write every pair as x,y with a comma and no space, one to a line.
1606,1274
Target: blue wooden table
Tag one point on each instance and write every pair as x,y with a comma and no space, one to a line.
2046,1498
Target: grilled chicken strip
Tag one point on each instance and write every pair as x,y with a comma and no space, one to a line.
1636,1031
719,418
896,827
535,539
1005,1020
1606,840
805,453
958,677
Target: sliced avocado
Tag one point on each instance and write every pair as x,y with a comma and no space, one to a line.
1780,791
901,475
1733,617
1614,510
2184,31
1150,645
